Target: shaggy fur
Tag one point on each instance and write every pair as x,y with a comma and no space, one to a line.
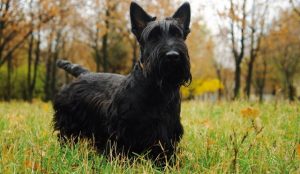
139,112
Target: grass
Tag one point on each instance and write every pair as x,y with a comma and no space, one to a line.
236,137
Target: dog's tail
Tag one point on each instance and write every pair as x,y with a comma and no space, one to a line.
74,69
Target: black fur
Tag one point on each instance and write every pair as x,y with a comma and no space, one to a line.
73,69
139,112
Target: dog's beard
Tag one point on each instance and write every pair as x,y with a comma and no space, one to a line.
168,73
176,73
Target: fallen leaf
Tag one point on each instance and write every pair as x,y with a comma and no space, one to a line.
250,112
33,165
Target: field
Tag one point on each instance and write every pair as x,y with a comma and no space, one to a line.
224,137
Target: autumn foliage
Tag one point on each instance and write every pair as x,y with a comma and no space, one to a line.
249,53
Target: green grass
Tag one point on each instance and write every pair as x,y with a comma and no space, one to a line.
217,139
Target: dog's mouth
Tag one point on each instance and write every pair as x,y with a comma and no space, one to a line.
175,71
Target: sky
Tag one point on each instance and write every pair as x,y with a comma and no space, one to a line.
208,10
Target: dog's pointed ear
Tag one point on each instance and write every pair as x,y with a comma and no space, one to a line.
183,16
139,19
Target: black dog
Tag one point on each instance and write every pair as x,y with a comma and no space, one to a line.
139,112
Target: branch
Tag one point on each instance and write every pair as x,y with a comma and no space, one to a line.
243,32
13,49
7,7
7,39
262,27
235,53
16,46
295,8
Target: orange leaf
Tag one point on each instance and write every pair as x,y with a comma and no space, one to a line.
33,165
250,112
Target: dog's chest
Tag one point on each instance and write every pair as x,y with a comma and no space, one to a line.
148,115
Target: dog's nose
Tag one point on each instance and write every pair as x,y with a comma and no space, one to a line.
173,55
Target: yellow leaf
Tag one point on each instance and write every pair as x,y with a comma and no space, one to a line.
46,107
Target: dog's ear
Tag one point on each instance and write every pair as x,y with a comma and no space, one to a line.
183,16
139,19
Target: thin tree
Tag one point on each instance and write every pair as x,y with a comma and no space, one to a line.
256,26
34,50
286,50
58,29
237,42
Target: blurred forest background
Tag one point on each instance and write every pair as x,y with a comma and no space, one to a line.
253,51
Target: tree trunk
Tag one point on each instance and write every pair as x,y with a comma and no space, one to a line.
249,77
48,73
8,81
53,76
104,44
96,49
263,82
47,78
237,80
289,85
98,58
291,92
29,62
238,53
218,72
53,89
104,53
35,68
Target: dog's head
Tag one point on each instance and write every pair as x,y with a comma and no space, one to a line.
164,54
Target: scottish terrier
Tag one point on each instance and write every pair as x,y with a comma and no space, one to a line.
137,113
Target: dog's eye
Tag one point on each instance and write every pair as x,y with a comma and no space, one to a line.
175,32
155,34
